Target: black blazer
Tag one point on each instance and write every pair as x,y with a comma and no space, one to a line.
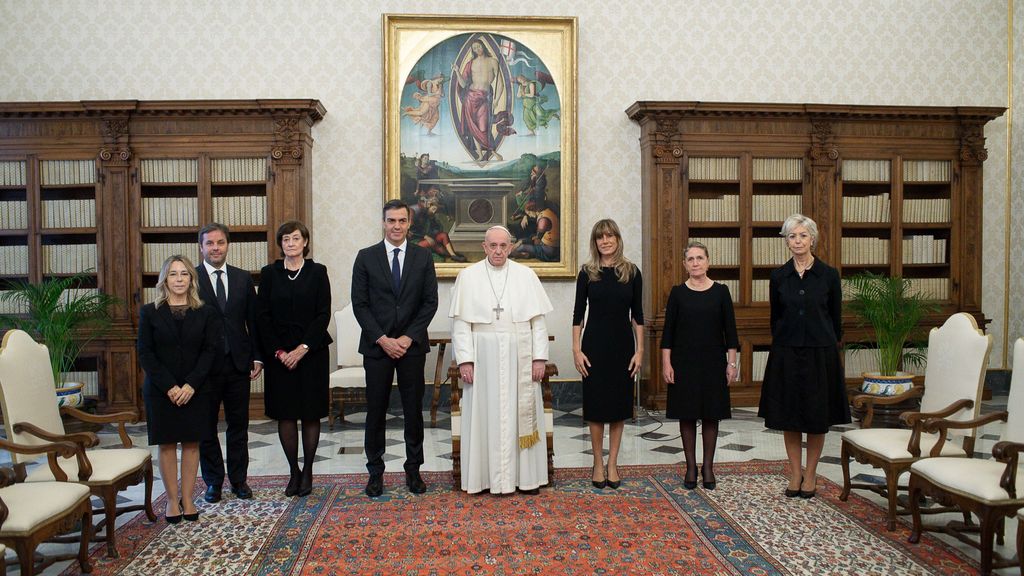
171,359
240,316
379,311
806,311
296,313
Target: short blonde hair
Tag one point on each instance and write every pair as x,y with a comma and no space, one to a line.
192,295
796,220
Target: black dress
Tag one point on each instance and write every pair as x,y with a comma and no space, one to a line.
608,342
804,389
177,348
700,327
292,312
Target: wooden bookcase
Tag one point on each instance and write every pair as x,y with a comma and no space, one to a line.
895,190
117,186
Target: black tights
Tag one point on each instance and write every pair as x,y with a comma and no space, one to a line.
688,430
288,432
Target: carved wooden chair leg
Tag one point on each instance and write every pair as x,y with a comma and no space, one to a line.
110,519
915,510
83,544
892,487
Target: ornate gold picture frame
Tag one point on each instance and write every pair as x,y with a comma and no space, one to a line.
479,130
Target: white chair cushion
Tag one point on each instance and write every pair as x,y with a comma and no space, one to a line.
107,465
32,504
978,479
354,377
891,443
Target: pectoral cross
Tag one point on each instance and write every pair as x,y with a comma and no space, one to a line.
498,310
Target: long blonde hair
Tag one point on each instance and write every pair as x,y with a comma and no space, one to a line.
624,269
194,302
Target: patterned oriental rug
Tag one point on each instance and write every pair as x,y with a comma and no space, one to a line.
651,525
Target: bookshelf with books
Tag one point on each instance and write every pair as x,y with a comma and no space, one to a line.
894,190
117,186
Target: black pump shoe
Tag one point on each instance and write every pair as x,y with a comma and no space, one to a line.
793,493
708,485
293,485
690,484
599,484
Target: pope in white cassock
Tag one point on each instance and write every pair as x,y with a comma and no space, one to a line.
500,343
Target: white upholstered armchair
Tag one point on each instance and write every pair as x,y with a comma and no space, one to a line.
31,417
953,385
992,490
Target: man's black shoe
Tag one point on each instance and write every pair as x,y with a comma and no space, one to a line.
242,491
415,482
212,494
375,487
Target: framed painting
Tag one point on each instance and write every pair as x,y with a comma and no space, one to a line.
480,130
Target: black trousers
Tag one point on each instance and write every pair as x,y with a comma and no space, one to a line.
380,373
229,387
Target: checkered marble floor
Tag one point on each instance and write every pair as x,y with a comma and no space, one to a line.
649,440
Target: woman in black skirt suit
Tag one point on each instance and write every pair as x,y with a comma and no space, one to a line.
293,310
698,360
610,289
179,338
804,389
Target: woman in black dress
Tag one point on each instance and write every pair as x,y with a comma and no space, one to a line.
804,389
698,360
293,310
179,338
609,289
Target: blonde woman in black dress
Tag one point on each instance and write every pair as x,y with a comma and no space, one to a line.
698,360
179,338
609,349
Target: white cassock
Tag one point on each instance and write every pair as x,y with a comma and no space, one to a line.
504,443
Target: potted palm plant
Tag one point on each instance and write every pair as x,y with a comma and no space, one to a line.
62,314
893,310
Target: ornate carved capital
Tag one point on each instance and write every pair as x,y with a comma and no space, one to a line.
823,145
116,154
662,152
972,143
287,147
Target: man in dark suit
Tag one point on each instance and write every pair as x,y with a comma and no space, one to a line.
231,291
394,297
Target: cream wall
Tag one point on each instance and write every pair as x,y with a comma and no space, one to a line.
922,52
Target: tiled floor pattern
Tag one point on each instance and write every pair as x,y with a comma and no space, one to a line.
649,440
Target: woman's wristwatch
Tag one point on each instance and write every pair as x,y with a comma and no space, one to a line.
732,364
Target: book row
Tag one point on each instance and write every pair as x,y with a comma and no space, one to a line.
238,170
67,172
777,169
12,306
935,288
12,173
860,251
722,209
774,207
170,170
768,251
927,170
13,215
866,170
170,212
874,208
926,210
91,379
250,256
240,210
924,249
14,260
714,169
69,258
857,361
69,213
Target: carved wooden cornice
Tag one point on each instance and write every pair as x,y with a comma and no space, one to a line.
644,110
310,110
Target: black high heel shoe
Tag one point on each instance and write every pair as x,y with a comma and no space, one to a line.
613,484
174,519
807,494
793,493
599,484
193,517
690,484
708,485
293,485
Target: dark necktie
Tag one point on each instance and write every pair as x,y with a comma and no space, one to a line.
396,272
221,291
